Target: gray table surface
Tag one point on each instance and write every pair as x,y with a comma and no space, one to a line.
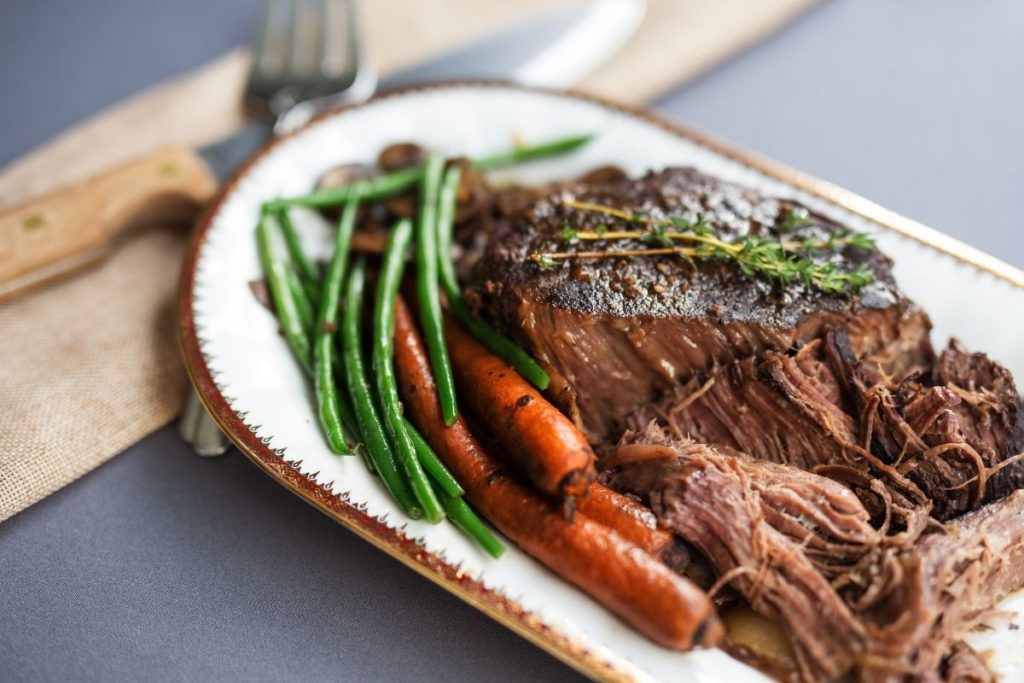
165,566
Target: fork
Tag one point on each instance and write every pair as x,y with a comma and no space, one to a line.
307,56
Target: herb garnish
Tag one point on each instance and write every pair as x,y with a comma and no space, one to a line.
782,261
796,217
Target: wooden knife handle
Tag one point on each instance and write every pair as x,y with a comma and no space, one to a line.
60,232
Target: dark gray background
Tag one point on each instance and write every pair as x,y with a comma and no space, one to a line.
163,565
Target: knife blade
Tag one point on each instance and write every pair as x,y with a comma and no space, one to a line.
555,49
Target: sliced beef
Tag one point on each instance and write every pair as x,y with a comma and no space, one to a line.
616,333
800,547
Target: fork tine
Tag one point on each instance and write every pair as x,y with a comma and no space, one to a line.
261,45
307,52
325,20
352,36
271,49
294,33
335,36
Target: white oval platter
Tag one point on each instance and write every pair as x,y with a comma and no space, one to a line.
248,380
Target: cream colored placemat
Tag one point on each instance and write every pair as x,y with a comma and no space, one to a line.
91,365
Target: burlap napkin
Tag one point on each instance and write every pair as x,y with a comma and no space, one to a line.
91,365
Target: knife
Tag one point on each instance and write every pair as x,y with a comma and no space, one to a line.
62,232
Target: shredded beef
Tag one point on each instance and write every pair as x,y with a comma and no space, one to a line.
801,548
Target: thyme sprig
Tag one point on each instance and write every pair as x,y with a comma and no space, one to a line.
783,261
659,235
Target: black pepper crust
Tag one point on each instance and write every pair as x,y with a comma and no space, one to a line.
662,286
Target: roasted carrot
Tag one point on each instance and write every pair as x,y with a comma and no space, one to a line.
625,516
540,441
666,607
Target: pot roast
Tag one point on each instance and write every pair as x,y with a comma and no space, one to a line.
618,333
832,469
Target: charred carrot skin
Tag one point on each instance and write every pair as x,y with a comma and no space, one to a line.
542,443
666,607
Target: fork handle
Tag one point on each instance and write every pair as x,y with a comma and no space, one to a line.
57,233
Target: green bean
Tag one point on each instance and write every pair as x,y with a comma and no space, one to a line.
374,438
312,291
450,494
275,271
530,152
375,188
383,367
446,204
326,326
465,519
399,181
345,408
427,292
307,270
501,346
347,411
302,304
432,464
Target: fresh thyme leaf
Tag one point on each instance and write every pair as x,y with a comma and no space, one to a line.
794,218
805,270
569,234
680,222
861,277
701,227
544,261
861,240
828,278
658,234
689,260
